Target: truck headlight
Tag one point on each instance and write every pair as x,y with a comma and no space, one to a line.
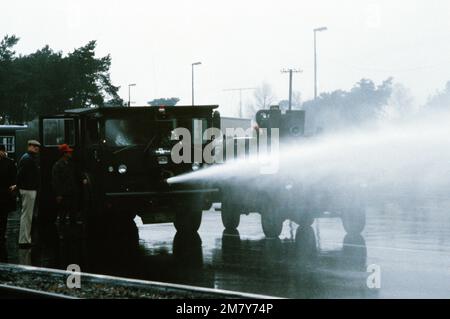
162,160
122,169
195,166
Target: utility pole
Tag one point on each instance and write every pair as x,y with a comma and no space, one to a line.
240,97
315,58
290,71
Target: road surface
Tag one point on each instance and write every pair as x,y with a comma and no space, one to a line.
404,252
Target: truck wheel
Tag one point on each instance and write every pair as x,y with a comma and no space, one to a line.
188,221
230,213
272,224
354,223
120,224
271,218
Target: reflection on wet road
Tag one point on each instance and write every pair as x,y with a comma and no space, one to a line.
411,247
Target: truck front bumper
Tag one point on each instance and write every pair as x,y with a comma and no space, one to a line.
161,202
174,193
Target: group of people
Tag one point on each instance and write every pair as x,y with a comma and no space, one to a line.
24,180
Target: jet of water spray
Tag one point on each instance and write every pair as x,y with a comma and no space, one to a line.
397,159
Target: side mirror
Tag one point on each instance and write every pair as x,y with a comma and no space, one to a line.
216,120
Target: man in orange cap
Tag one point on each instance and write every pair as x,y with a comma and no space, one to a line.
65,184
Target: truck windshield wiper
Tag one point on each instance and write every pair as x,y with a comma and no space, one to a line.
125,148
149,144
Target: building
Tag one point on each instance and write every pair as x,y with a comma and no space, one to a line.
8,137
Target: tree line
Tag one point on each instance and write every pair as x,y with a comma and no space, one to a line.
364,102
48,81
45,82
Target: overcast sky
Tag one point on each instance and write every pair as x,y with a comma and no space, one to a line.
243,43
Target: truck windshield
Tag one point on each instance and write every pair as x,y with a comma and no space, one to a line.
129,131
140,131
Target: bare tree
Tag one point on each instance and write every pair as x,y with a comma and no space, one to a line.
400,104
296,102
264,96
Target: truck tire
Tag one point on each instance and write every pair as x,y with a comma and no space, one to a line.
120,225
230,213
272,224
188,221
354,223
271,218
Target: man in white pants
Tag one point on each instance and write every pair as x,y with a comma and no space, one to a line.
28,184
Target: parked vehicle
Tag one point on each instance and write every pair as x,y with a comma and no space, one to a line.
286,198
124,158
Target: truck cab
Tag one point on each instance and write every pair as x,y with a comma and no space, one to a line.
124,158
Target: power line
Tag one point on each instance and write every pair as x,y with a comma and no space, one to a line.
240,96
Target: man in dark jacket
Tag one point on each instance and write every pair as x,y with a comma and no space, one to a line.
28,184
7,187
65,184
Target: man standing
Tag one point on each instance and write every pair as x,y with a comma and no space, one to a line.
7,187
65,185
28,185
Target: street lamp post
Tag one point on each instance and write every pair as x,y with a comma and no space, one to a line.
193,64
129,93
315,58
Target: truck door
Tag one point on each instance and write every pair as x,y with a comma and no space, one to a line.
53,131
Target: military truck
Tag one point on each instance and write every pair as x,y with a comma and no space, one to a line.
279,197
123,155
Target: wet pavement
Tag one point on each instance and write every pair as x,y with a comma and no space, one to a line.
409,245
